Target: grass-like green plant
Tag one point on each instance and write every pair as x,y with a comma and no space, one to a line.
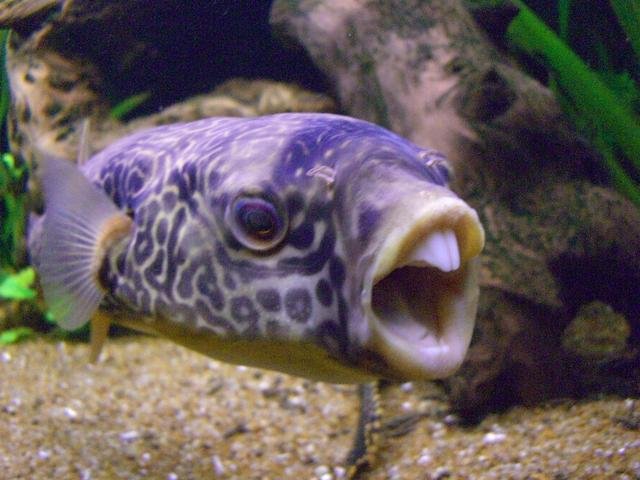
600,101
123,108
12,210
4,84
14,335
15,284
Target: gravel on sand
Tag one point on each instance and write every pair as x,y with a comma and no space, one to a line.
153,410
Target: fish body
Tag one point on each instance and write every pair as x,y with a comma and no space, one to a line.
314,244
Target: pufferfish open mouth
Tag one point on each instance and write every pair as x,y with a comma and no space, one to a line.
423,295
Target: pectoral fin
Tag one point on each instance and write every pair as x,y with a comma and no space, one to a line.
80,224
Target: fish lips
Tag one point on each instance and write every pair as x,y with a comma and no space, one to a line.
420,294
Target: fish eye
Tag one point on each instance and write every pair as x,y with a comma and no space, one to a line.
256,222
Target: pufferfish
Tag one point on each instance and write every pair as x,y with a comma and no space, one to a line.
313,244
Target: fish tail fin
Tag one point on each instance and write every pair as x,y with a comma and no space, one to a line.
77,220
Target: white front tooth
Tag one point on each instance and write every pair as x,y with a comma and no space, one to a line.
454,252
440,250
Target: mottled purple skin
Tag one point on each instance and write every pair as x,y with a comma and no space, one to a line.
183,263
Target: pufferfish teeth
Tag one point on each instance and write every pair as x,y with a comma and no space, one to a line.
439,249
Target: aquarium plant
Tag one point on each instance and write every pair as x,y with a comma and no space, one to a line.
599,88
15,283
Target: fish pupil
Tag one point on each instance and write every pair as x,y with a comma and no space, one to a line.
259,222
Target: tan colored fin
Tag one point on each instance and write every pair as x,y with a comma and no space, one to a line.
84,148
100,323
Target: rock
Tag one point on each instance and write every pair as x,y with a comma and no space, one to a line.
597,333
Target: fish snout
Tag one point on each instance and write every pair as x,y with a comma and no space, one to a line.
420,296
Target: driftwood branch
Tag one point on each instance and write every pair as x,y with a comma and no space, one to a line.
426,70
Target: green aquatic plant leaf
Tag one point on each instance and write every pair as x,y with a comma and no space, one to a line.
14,335
15,171
4,83
9,161
564,13
126,106
628,13
624,87
610,117
48,316
17,286
12,209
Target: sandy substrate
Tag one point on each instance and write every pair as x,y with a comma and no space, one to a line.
154,410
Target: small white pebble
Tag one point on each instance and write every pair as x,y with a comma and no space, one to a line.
282,458
326,476
129,436
5,357
406,387
85,475
295,402
393,473
497,428
321,470
70,413
328,409
424,459
493,437
634,444
407,406
451,420
172,476
145,457
339,472
44,454
218,467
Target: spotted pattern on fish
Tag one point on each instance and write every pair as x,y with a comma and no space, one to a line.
185,262
171,197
